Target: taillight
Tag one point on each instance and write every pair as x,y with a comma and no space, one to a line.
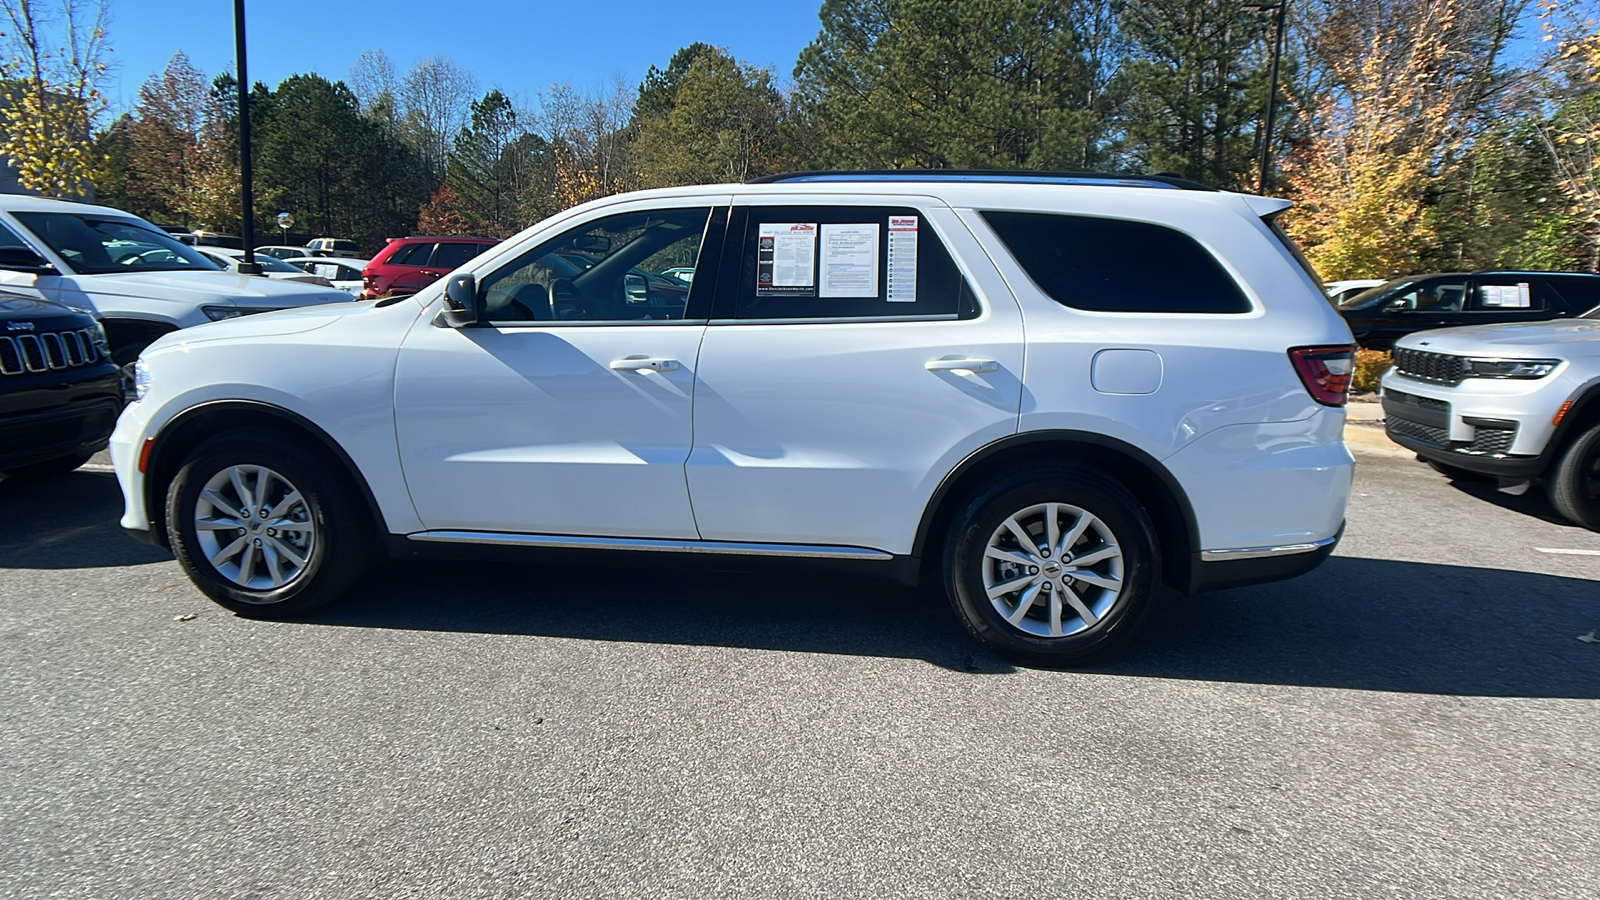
1325,371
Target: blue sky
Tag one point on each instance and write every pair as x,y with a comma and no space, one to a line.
519,47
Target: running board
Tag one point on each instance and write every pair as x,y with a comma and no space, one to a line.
571,542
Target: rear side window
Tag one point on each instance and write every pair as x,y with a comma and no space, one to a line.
412,255
1581,292
451,255
1114,265
848,262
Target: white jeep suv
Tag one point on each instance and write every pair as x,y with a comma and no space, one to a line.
1518,402
140,280
1059,393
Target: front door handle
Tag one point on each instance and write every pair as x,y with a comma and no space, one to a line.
644,364
975,366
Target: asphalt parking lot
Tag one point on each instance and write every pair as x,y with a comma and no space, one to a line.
1419,717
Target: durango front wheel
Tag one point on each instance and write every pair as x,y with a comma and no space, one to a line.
263,528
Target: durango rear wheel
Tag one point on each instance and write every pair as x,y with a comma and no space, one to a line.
1052,568
1574,483
263,528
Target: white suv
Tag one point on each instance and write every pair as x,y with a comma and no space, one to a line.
1518,402
1059,393
139,279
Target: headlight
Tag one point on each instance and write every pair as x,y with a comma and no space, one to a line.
1511,368
141,379
218,313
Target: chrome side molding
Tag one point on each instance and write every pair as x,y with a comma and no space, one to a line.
576,542
1260,552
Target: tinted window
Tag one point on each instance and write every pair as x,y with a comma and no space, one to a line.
453,256
1113,265
1581,292
412,255
807,262
593,273
1429,297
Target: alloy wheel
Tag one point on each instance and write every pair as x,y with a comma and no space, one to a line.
254,527
1053,570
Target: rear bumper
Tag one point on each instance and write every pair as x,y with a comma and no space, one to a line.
1216,570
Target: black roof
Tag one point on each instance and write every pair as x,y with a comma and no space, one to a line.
999,176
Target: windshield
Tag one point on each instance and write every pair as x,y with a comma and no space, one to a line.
1373,295
98,245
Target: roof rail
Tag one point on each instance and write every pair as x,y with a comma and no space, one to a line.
999,176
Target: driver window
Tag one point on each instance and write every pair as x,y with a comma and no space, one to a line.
1431,296
606,270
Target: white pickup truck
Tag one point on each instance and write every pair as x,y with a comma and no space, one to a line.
141,282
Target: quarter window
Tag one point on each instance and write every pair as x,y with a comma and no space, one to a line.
810,262
1115,265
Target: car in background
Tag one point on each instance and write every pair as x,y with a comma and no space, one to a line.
139,280
202,238
281,251
684,274
275,269
60,392
341,272
1340,291
326,246
1379,316
409,264
1517,403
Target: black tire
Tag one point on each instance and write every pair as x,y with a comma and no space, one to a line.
340,546
50,468
981,518
1573,484
1455,473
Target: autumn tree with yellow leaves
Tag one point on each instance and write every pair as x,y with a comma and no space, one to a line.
53,64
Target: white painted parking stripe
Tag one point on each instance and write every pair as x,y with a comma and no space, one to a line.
97,467
1566,551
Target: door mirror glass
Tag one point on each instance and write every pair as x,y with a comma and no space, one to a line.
463,308
21,259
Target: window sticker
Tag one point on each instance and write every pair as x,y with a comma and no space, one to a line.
902,259
1506,296
849,260
786,258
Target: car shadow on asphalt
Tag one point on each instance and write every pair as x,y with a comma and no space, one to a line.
67,522
1359,624
1531,503
1382,625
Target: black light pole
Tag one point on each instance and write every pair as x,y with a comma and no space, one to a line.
246,201
1282,8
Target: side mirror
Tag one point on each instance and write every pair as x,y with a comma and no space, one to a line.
21,259
463,308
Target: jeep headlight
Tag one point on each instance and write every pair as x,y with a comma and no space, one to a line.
1510,368
141,379
218,313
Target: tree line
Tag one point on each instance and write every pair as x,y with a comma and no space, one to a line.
1413,134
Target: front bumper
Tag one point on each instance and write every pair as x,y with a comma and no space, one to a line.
77,420
1490,427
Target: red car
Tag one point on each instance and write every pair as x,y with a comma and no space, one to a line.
409,264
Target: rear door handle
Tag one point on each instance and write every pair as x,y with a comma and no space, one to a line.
633,364
975,366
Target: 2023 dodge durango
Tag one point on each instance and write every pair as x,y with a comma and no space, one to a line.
1054,393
